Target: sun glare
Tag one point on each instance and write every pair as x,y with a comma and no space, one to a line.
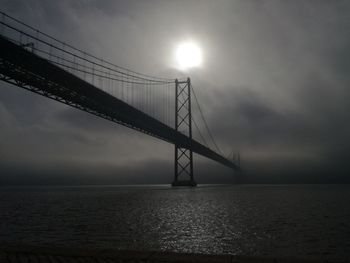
188,55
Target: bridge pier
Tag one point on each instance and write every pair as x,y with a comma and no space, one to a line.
183,172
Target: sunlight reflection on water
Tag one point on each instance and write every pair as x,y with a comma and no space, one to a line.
309,221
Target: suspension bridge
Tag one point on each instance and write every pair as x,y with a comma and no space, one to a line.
160,107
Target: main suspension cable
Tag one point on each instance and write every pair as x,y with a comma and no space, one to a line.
205,122
129,72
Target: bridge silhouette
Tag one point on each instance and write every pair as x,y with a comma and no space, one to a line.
159,107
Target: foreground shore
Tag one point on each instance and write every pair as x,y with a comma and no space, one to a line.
50,255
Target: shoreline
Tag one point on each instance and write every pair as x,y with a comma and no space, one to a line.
12,254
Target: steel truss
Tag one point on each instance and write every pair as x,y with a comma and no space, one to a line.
183,123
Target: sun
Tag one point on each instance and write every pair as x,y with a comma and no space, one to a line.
188,55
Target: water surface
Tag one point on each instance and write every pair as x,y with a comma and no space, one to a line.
307,221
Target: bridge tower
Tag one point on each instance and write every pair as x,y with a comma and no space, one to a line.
183,124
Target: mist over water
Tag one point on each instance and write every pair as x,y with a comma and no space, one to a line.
305,221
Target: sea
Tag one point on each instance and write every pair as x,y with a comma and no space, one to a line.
298,221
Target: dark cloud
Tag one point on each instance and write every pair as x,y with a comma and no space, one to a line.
274,86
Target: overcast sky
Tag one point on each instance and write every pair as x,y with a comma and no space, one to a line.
274,85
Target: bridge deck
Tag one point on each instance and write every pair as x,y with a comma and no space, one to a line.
25,69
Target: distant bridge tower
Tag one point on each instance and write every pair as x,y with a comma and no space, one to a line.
183,124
